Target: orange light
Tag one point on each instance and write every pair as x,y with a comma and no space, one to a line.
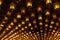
12,6
48,1
18,16
0,2
29,4
56,5
39,9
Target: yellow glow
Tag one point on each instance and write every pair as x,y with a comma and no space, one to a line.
31,28
52,22
29,24
48,1
46,20
23,22
16,27
47,13
29,4
46,25
22,29
51,26
27,19
9,26
40,23
1,25
53,30
18,16
40,17
56,6
25,27
12,6
19,25
41,30
12,23
0,2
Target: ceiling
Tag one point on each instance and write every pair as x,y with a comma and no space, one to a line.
29,20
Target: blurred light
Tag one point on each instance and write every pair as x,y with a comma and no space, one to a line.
40,17
47,13
27,19
34,21
19,25
39,9
48,1
29,4
5,18
41,30
54,16
23,10
46,20
15,20
1,25
0,28
46,25
22,29
31,28
0,2
25,27
8,13
29,24
32,15
18,16
12,6
51,26
56,5
52,22
23,22
40,23
12,23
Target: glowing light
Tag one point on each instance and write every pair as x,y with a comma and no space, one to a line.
56,5
29,4
8,13
48,1
32,14
40,17
6,18
54,16
23,22
23,10
47,13
12,6
29,24
52,22
51,26
0,2
12,23
18,16
39,9
40,23
27,19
